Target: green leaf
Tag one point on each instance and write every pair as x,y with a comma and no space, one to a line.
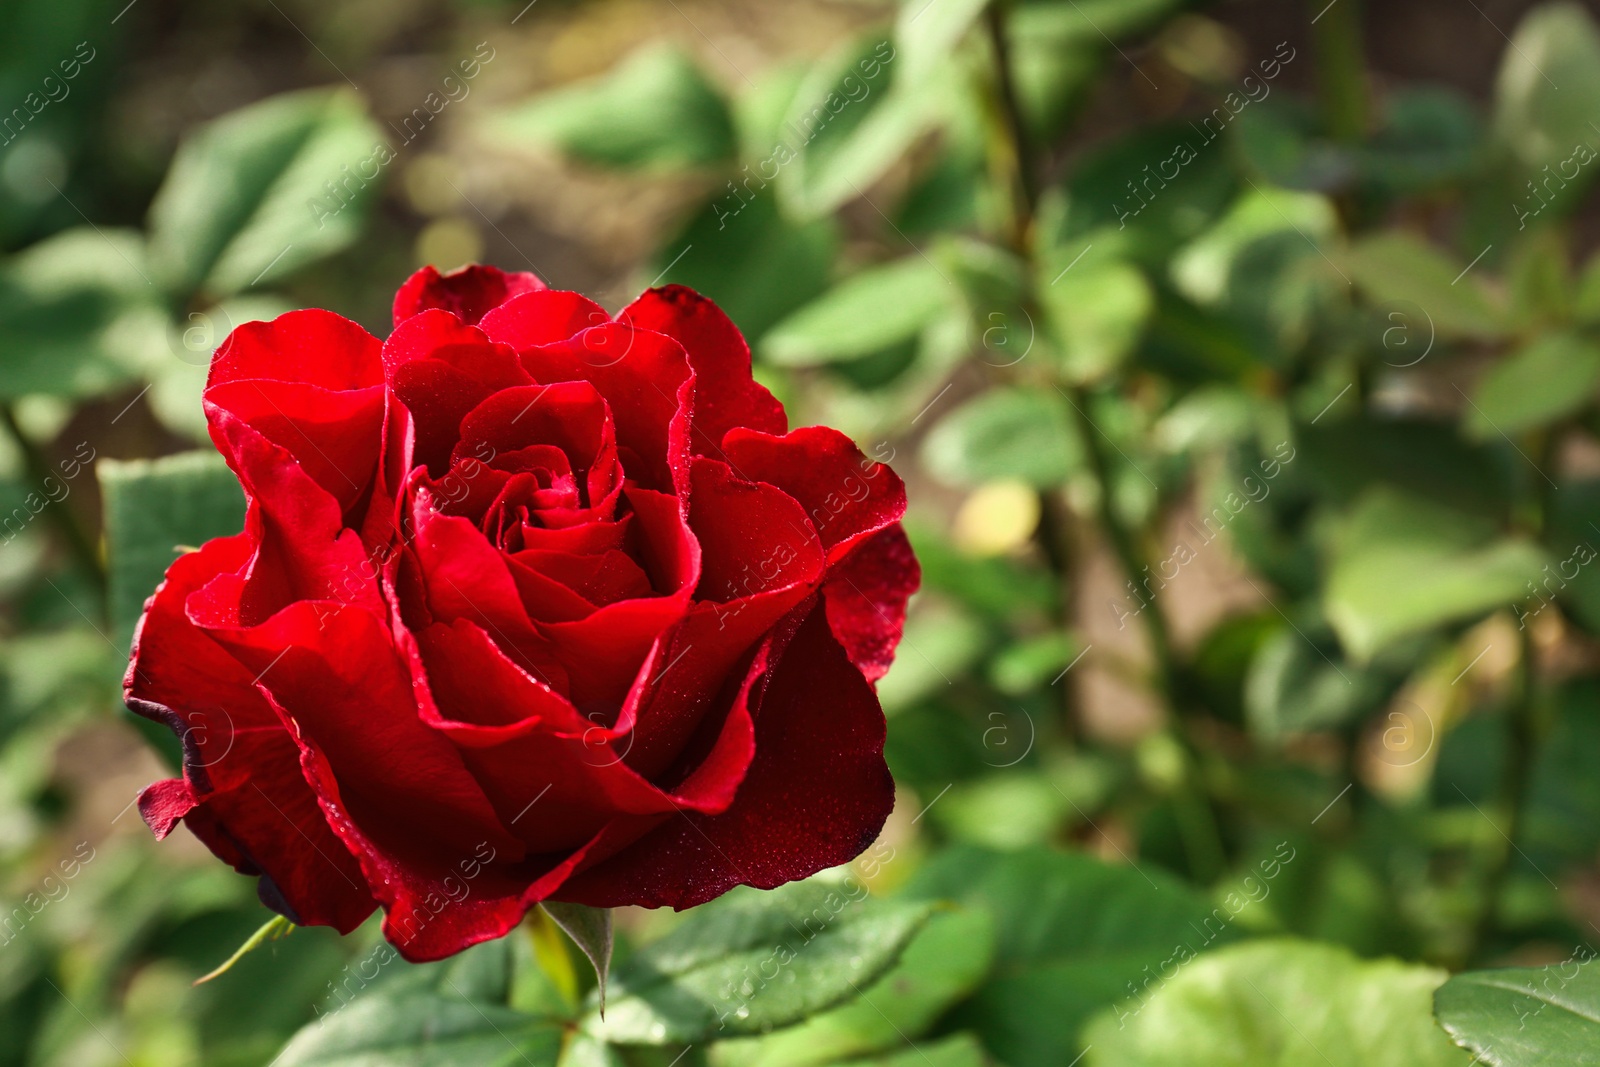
757,264
262,191
590,930
1400,565
849,122
957,1050
1571,536
76,313
1073,935
926,32
1548,380
586,1050
1004,433
1526,1016
1098,307
1278,1003
152,507
1345,457
1397,268
423,1030
945,962
755,960
656,111
1299,681
1201,270
1547,93
866,313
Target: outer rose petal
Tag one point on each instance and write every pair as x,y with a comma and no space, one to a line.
816,795
847,496
469,292
242,792
866,598
725,395
313,347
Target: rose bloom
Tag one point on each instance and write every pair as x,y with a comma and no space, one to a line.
531,603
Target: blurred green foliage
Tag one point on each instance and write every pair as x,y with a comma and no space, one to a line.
1247,399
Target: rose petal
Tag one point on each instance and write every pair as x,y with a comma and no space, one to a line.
846,496
469,292
725,394
313,347
817,793
242,792
866,598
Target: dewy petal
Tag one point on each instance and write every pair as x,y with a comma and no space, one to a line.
313,347
440,370
817,793
469,292
242,792
647,382
846,496
725,394
866,596
334,436
303,550
542,318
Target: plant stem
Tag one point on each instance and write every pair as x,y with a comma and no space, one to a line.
1340,71
1197,822
1059,543
1522,738
79,544
1023,179
1524,731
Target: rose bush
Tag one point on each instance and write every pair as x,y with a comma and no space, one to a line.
531,603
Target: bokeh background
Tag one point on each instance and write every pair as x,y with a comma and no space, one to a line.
1241,359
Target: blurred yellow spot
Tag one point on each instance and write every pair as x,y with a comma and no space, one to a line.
1202,48
448,243
428,185
997,518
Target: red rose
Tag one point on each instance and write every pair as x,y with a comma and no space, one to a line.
530,603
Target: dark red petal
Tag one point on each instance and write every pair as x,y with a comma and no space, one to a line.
817,794
163,805
601,578
753,537
302,548
334,436
314,347
761,560
866,598
846,496
603,651
441,370
555,777
725,395
242,792
469,292
463,576
665,547
335,674
543,318
646,380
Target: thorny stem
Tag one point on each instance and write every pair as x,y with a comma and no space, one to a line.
66,522
1196,821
